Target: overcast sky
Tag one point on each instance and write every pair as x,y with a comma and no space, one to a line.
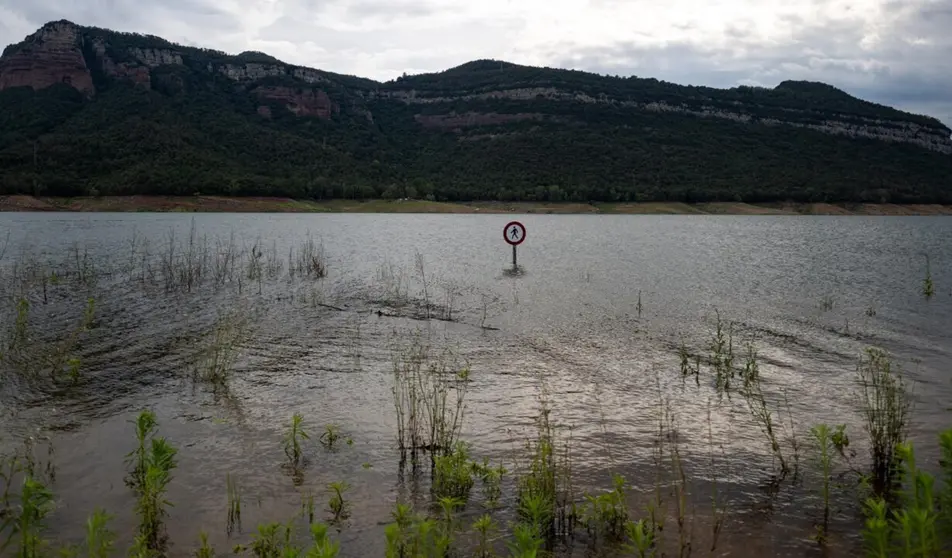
893,52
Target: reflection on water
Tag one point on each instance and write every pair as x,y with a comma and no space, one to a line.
598,317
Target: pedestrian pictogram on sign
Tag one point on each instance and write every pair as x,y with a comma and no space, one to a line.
514,233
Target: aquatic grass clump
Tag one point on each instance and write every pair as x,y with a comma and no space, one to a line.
526,542
453,473
337,504
293,447
827,442
151,504
23,525
100,540
485,528
330,436
721,359
309,261
605,515
916,524
928,287
152,463
544,495
492,482
234,505
885,405
221,349
429,392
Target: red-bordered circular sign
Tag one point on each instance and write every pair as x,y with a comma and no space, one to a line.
514,232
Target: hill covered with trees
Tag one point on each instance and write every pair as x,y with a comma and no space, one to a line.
87,111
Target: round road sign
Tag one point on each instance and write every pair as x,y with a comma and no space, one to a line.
514,233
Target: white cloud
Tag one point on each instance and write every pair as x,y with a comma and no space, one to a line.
890,51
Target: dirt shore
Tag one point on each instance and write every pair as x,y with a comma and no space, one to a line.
287,205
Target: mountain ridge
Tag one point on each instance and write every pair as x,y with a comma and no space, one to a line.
608,138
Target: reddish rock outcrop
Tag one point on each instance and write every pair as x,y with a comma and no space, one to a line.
302,102
51,55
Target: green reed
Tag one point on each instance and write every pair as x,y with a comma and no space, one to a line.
339,507
928,287
885,404
485,528
233,521
429,392
293,438
24,526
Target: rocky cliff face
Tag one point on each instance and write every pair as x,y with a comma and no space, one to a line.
302,102
933,138
51,55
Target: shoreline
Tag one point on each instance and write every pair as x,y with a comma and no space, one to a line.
220,204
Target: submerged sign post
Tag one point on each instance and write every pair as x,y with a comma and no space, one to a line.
514,233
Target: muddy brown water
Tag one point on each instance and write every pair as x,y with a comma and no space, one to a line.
570,322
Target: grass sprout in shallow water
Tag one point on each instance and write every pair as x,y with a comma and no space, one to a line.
234,505
293,438
337,504
221,350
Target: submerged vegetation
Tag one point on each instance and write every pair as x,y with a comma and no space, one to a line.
536,500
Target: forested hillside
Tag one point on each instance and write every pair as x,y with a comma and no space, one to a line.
86,111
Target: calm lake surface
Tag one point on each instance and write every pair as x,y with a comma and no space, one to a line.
597,318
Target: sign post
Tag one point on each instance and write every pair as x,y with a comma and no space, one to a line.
514,233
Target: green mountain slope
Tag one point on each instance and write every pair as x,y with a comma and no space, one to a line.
92,111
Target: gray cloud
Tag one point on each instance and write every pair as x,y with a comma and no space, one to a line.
910,68
896,52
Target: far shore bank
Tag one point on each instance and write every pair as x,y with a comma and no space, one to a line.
213,204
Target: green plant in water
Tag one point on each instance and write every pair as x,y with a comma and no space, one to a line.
827,442
453,473
330,436
99,539
606,514
220,352
25,521
204,550
307,506
928,288
885,406
151,504
72,367
268,541
486,529
722,353
762,415
292,441
526,542
641,538
322,546
915,525
826,303
89,314
234,505
146,426
492,483
687,368
337,504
